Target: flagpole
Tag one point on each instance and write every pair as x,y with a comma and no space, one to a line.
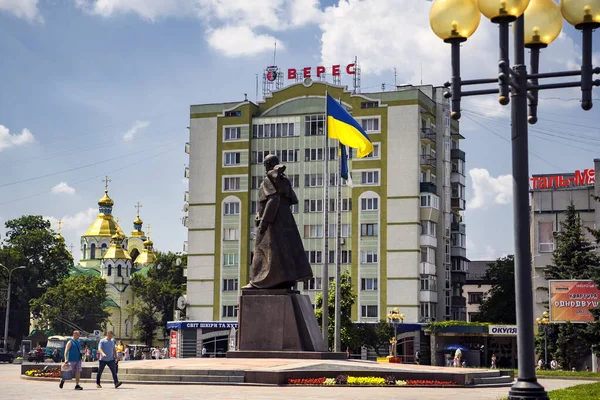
338,266
325,273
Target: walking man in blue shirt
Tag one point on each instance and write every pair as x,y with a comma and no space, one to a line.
72,357
108,354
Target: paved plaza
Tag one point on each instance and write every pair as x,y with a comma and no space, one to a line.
13,387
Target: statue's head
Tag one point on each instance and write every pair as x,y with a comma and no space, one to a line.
270,162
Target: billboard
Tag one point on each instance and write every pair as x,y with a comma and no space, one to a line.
571,300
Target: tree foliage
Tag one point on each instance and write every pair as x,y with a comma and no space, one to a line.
78,300
499,304
375,336
348,334
156,293
30,242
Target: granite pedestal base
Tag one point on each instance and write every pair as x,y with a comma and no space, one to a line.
277,320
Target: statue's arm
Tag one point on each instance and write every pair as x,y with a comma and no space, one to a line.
269,212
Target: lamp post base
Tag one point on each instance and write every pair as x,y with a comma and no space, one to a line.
527,390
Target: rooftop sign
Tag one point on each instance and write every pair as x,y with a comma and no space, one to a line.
580,178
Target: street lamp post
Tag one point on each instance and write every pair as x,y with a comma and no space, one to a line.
394,317
9,271
544,323
536,24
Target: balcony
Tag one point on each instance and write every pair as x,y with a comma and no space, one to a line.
428,160
426,296
458,227
459,301
428,269
459,278
186,173
460,252
186,196
428,241
428,187
458,203
457,154
428,134
188,148
457,177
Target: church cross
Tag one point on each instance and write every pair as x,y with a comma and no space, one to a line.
106,180
60,223
117,219
149,229
138,206
71,247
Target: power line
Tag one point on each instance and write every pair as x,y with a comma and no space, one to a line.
96,176
72,169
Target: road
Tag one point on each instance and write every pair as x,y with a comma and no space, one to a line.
13,387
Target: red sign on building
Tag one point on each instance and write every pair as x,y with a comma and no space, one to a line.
320,70
581,178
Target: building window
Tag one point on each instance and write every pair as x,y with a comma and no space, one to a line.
428,255
368,104
232,208
313,231
369,229
545,237
93,251
315,256
313,154
370,177
233,133
429,283
232,158
229,311
459,240
369,204
313,180
230,234
458,190
233,113
374,153
294,208
284,129
346,230
287,155
313,125
103,249
368,311
127,327
314,284
430,200
231,184
368,257
429,228
313,206
474,316
475,298
346,205
119,270
295,180
368,284
253,206
346,257
230,285
230,259
109,270
425,310
370,124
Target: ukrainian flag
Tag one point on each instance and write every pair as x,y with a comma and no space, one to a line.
341,126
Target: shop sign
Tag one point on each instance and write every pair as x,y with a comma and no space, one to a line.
503,330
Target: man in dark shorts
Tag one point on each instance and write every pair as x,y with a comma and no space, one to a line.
72,357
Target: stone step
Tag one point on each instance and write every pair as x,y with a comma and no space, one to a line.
196,372
107,378
492,380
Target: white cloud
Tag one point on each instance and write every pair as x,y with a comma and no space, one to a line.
9,140
77,223
487,188
147,9
137,125
26,9
487,252
63,188
236,41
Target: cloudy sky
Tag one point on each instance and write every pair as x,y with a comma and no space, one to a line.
90,88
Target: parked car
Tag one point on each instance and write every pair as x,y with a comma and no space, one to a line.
6,357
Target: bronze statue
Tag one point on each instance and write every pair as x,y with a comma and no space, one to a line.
279,258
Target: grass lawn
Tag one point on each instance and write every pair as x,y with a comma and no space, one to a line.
579,374
590,391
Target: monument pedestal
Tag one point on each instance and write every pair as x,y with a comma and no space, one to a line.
280,322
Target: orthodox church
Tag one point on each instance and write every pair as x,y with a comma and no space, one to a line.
108,252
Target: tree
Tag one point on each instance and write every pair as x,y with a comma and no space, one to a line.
30,242
376,335
574,256
348,298
499,305
156,293
78,300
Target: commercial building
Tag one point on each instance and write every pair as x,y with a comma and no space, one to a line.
402,235
551,194
476,287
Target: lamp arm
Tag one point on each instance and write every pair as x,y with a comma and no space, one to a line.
503,64
586,68
534,61
456,80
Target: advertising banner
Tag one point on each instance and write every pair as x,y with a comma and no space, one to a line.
571,300
173,345
502,330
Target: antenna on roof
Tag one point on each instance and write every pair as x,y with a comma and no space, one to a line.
274,52
245,96
421,74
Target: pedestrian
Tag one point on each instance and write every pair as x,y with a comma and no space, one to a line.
87,353
417,357
203,351
108,353
72,358
126,357
553,364
120,350
493,360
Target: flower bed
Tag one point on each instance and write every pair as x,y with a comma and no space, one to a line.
44,373
368,381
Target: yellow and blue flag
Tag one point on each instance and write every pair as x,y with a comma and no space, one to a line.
344,171
341,126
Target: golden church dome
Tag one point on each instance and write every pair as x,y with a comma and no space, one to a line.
148,243
60,238
106,201
138,220
104,226
116,250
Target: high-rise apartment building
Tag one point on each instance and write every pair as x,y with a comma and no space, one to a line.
402,236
